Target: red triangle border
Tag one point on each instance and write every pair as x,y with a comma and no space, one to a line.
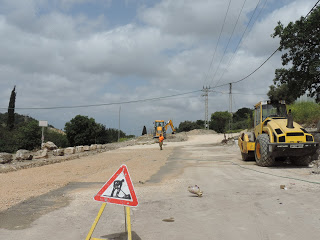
134,202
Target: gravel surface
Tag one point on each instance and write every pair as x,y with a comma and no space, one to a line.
22,180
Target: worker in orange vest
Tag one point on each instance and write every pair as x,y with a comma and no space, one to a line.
161,138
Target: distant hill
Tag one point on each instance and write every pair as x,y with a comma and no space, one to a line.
18,118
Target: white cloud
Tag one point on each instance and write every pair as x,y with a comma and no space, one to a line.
58,59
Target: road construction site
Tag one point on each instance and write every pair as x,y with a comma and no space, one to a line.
240,199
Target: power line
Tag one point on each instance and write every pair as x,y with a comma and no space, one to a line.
241,39
240,80
107,104
225,50
215,50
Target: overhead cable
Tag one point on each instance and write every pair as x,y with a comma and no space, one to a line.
241,39
107,104
215,50
240,80
225,50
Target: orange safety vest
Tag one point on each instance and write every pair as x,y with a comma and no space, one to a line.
161,139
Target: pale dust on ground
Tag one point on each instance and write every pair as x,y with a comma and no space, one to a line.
143,161
20,185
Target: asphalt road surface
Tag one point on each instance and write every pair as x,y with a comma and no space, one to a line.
240,201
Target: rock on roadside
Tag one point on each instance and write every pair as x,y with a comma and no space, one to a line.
41,154
23,154
49,145
5,157
58,152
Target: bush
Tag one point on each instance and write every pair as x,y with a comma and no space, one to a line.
26,135
187,126
59,139
305,112
219,121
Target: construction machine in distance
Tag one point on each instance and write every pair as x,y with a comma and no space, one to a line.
276,137
160,127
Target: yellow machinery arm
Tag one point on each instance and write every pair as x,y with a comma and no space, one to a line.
171,125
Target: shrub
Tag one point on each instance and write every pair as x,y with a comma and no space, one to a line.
305,112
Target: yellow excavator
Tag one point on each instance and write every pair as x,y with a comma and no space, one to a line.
160,127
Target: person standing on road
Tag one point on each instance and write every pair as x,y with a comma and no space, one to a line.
161,138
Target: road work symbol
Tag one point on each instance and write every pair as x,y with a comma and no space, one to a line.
117,186
119,189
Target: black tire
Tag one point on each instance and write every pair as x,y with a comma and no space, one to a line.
302,161
261,151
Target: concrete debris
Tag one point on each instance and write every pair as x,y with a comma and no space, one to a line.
316,167
283,187
195,190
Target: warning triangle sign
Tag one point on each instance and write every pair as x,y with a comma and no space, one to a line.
118,189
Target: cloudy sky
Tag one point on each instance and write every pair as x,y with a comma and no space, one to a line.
64,53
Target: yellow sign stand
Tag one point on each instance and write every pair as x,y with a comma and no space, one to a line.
127,221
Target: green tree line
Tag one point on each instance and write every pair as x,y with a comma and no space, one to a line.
26,133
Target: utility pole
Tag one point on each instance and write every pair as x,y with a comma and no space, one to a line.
119,125
230,104
206,97
205,94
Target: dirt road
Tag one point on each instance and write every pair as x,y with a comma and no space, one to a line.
240,200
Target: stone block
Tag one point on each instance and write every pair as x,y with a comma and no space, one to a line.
93,147
69,150
23,154
49,145
86,148
79,149
58,152
41,154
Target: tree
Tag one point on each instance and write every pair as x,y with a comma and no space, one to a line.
29,135
144,131
276,94
200,123
242,114
219,121
300,41
12,103
57,138
187,126
81,130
